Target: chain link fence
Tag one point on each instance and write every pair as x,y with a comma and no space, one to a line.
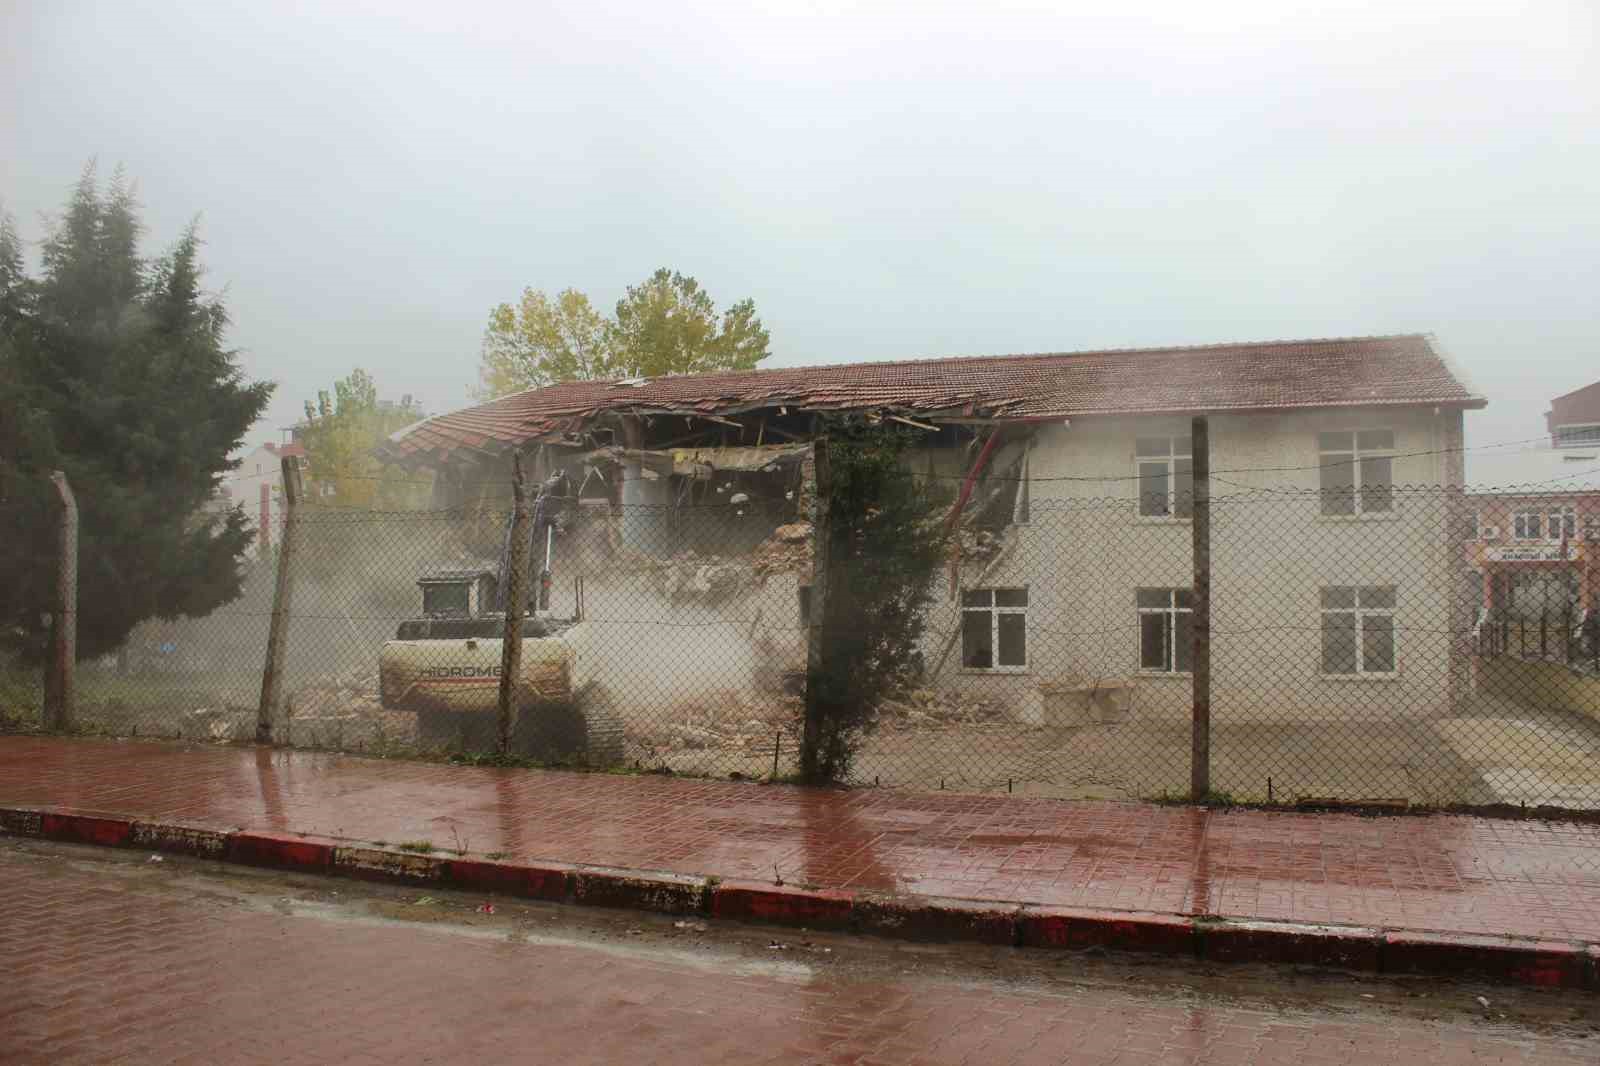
1391,650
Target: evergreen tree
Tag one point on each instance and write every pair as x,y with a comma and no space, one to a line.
118,373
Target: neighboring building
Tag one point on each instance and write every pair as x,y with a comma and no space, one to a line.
1533,536
1574,419
1342,589
257,486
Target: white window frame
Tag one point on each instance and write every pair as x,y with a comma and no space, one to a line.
995,611
1552,522
1353,457
1177,447
1361,613
1592,427
1172,611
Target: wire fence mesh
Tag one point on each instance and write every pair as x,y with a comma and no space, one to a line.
1429,646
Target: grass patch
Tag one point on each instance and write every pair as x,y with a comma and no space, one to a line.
416,847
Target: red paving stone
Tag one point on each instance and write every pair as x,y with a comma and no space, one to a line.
1440,873
103,968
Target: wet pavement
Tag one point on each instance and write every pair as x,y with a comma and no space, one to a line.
112,958
1442,873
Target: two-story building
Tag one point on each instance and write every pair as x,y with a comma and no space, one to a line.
1532,547
1337,469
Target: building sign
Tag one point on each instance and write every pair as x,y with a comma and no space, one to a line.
1533,553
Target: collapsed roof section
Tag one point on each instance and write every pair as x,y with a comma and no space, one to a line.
1273,375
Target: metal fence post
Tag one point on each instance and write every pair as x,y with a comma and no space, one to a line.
1200,533
59,680
282,594
822,535
516,605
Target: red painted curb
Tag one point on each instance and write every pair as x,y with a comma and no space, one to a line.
181,839
931,918
1344,948
384,864
546,881
258,847
107,830
1541,963
667,893
784,904
1077,929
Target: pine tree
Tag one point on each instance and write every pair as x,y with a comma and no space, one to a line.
124,383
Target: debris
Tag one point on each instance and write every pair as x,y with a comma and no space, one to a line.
486,908
156,858
424,901
775,946
690,927
1483,1001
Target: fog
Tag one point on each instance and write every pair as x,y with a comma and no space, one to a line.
885,181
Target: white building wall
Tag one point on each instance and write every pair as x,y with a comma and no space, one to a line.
1086,550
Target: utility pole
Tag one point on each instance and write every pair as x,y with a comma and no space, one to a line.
59,682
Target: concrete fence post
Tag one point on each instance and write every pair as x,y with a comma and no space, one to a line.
60,677
1200,533
816,634
516,606
282,595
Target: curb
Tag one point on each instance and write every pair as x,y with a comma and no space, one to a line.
1534,963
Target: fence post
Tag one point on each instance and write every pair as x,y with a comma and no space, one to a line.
1200,534
822,536
59,681
516,604
282,594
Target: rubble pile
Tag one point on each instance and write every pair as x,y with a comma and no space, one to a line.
700,577
719,721
345,712
926,708
787,550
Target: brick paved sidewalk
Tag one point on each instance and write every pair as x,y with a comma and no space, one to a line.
1449,874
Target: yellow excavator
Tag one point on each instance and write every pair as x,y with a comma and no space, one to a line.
445,664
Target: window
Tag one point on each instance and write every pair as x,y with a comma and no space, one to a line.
1357,471
1358,629
994,629
1166,477
1166,630
449,599
1552,524
1582,435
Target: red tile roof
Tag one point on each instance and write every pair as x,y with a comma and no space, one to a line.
1348,371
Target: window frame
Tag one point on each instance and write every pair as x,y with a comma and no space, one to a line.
1169,460
1589,441
1359,613
995,611
1555,521
1358,491
1170,614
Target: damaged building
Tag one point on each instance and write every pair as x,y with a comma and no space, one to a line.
1072,566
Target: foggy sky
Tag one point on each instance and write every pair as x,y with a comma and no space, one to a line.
886,181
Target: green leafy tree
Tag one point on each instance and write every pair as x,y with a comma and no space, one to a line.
340,434
117,374
666,324
886,544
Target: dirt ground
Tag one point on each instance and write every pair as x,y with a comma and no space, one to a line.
1493,751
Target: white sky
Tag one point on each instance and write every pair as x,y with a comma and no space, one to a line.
885,180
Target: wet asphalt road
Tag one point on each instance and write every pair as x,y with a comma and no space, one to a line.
113,957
